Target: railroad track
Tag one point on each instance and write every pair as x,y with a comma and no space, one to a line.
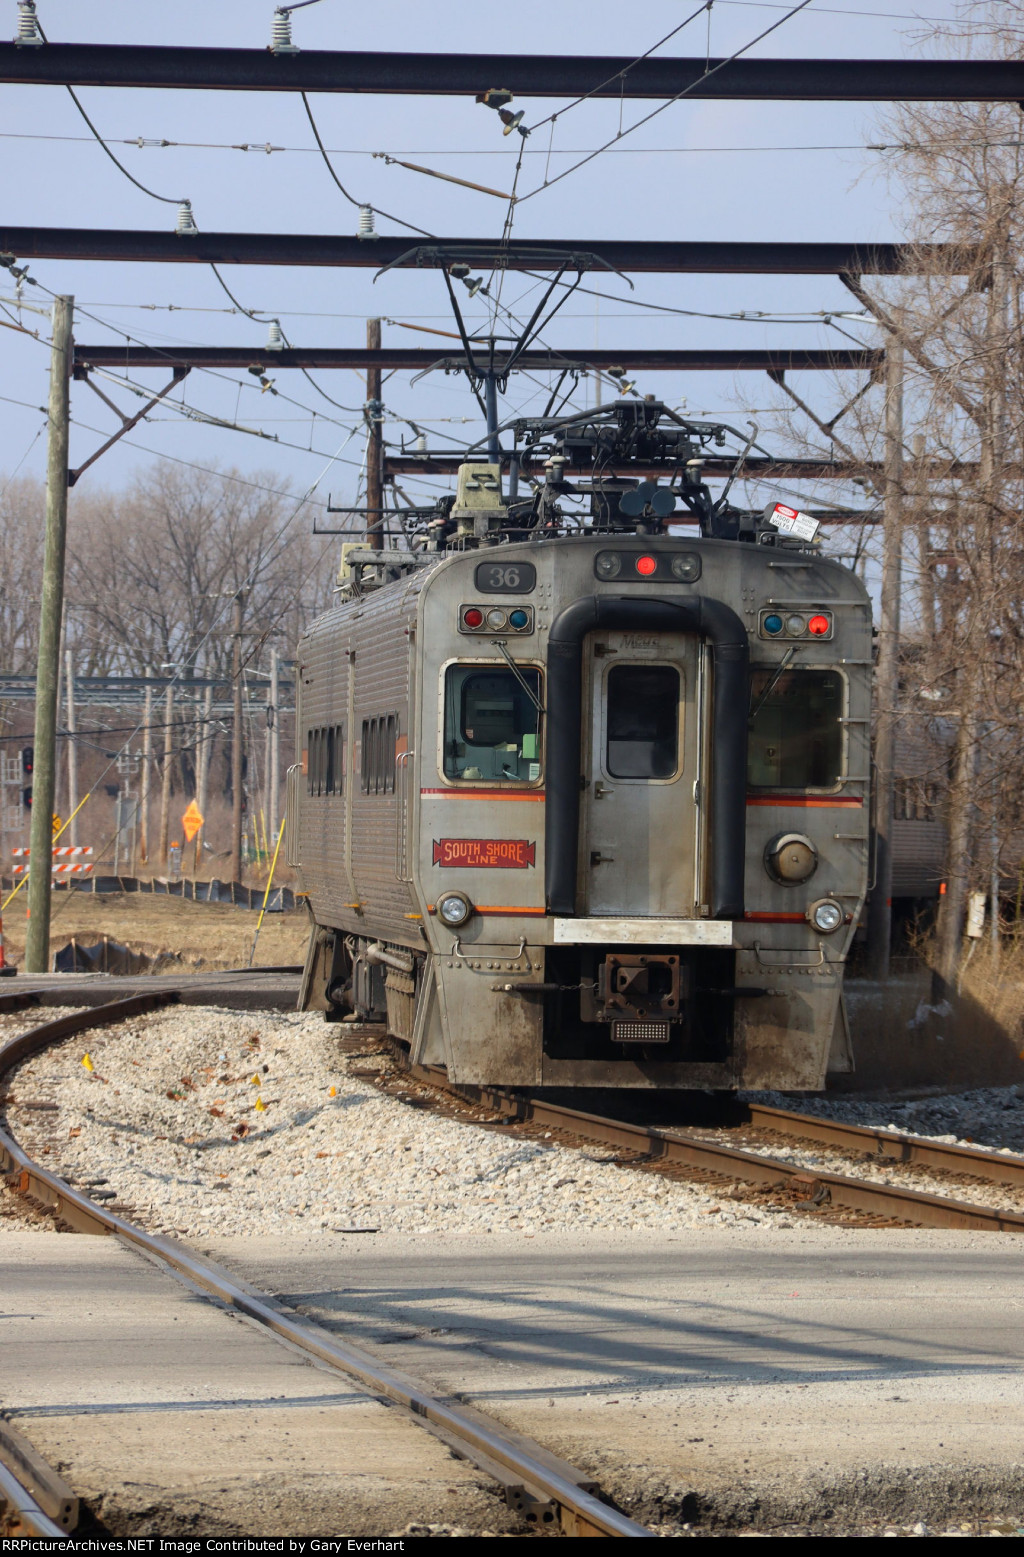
651,1146
545,1490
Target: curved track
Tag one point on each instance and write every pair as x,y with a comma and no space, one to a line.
546,1491
846,1193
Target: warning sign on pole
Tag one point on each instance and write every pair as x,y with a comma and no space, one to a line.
192,821
57,823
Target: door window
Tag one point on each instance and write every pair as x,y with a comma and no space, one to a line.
643,721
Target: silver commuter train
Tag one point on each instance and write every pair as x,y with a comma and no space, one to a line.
589,811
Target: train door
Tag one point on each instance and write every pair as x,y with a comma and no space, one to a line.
640,817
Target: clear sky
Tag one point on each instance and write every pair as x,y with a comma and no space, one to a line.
761,170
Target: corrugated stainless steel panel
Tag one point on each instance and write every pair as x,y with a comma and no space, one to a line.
355,665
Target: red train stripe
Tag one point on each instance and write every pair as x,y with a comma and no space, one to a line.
487,794
804,800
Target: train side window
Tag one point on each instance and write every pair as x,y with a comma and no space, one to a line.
796,731
643,721
366,754
380,738
492,724
313,762
387,761
333,759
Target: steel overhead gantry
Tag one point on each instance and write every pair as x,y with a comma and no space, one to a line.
398,358
601,255
442,462
525,75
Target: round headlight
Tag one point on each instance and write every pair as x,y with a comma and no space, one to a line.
796,625
826,915
608,564
791,858
686,567
496,618
454,908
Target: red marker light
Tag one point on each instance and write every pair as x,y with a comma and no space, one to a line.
646,566
473,617
818,625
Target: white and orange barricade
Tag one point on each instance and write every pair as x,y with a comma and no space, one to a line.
68,860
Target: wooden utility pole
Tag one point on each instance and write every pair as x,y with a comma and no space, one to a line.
165,785
51,607
274,781
236,747
203,776
147,770
69,663
374,445
887,669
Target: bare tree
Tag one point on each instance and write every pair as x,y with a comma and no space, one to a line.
957,171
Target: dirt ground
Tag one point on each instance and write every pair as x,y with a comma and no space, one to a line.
202,935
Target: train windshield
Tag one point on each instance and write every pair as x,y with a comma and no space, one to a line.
796,731
492,724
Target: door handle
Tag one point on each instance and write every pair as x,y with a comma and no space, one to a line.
600,790
597,858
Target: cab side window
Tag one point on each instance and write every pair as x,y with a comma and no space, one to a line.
796,730
492,724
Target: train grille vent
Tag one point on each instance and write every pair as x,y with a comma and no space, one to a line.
640,1032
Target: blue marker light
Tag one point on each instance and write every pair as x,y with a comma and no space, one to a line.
521,619
773,624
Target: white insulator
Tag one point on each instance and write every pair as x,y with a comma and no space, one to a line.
275,340
366,228
185,226
281,33
28,28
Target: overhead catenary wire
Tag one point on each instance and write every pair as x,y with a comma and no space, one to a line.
166,199
528,151
351,198
622,74
737,54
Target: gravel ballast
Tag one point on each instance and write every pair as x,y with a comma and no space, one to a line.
203,1120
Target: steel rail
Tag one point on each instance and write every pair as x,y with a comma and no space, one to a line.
523,1467
21,1514
666,257
891,1145
555,76
678,1147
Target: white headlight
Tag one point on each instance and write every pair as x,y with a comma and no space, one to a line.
454,908
826,915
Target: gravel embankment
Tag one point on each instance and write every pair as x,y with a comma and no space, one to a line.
204,1120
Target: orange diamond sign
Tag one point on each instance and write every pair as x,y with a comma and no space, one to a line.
192,821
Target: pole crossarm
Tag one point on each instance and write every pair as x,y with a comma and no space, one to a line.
127,422
525,75
416,359
621,254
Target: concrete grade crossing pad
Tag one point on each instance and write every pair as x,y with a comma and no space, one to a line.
170,1415
760,1379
